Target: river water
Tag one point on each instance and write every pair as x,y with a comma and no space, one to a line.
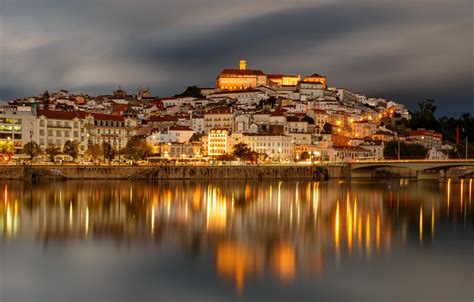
394,240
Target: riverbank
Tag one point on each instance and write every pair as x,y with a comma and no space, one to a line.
51,172
250,172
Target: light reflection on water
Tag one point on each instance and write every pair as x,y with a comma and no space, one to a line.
245,233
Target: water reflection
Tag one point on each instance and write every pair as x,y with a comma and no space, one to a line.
282,229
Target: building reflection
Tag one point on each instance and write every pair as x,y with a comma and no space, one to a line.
284,229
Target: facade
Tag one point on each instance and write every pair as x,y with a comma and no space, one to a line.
219,118
239,79
427,138
105,128
363,129
17,126
284,80
275,146
317,78
218,142
55,128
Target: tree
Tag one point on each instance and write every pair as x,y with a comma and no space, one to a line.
192,91
327,128
52,151
305,155
424,117
7,148
95,152
71,148
109,151
32,149
407,151
241,150
136,148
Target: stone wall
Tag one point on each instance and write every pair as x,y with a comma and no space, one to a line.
169,172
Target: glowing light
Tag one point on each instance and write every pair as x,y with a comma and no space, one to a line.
349,225
432,222
152,219
87,221
377,232
336,227
462,194
449,195
283,261
421,224
367,234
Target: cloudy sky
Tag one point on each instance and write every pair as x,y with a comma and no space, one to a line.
406,50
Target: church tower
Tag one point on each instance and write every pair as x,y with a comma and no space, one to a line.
243,64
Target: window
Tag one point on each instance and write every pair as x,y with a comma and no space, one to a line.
76,134
58,133
41,132
42,123
50,132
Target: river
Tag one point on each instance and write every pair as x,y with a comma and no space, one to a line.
388,240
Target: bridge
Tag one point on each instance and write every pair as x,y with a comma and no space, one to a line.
423,168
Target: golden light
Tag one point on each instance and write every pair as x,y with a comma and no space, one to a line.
337,227
421,224
283,262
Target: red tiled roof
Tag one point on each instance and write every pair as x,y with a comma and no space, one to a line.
242,72
60,115
180,128
106,117
164,118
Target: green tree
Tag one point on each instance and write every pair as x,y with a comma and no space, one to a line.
52,151
136,148
95,152
109,151
71,148
32,149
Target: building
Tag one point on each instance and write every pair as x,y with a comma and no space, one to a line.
218,142
316,78
284,80
106,128
427,138
219,118
275,146
17,126
363,129
240,79
55,128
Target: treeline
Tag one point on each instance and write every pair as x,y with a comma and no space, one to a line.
425,118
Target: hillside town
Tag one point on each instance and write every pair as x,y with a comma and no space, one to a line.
250,115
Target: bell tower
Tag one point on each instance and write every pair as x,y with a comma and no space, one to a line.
243,64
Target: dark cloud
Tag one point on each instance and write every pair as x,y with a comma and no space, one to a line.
407,51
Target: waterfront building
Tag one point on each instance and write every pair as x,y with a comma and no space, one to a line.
275,146
218,142
17,126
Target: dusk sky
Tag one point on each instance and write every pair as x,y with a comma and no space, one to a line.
405,51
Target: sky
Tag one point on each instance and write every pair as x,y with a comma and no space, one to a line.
405,51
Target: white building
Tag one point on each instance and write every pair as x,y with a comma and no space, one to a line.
17,125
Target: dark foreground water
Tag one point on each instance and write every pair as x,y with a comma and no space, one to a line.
237,241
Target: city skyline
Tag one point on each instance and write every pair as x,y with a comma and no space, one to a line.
171,45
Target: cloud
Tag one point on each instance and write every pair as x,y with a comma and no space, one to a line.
409,51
